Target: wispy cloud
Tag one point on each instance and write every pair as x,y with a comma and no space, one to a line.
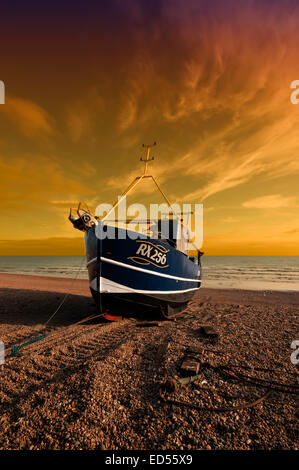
229,92
83,114
272,201
29,183
30,118
293,231
128,112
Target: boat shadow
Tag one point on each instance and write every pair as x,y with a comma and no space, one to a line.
30,307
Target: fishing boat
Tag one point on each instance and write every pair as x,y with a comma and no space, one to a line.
138,270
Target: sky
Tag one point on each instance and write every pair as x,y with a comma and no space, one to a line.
87,82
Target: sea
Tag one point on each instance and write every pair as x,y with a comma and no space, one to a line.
226,272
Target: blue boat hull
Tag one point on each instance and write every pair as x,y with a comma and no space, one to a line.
145,271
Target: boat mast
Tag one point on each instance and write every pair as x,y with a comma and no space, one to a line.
138,179
148,159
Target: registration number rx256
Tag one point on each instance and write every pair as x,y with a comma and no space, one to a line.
151,253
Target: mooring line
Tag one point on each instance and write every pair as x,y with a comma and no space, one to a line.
15,348
66,295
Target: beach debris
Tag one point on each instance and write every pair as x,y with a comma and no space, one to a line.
153,323
148,323
188,380
161,354
208,332
189,366
170,385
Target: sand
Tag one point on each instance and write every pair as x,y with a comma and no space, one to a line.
102,385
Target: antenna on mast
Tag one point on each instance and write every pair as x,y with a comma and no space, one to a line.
147,159
138,179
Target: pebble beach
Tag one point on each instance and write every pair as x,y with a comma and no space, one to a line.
118,386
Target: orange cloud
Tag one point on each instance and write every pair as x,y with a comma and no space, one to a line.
82,115
33,181
28,116
272,201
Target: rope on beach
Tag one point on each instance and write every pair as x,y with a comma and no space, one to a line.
15,348
215,410
66,295
264,383
56,340
271,386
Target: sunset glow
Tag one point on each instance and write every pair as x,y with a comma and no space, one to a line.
86,83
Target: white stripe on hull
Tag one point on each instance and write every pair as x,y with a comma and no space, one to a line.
142,270
111,287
